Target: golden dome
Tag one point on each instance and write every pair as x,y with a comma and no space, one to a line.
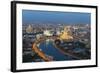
65,35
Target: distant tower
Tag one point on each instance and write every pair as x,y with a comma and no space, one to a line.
29,29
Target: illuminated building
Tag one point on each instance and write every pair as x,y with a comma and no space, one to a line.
29,29
65,35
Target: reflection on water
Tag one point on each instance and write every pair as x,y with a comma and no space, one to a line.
48,48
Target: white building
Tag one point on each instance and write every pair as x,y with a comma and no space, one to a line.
47,33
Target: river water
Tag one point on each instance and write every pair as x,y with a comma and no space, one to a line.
48,48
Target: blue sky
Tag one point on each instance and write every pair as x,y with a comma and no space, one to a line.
43,17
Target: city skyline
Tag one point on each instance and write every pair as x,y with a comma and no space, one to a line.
51,17
46,36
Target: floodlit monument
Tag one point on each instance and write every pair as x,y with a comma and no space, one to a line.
65,35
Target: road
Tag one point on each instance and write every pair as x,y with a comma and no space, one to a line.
39,52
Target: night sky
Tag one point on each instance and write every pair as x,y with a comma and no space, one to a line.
53,17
